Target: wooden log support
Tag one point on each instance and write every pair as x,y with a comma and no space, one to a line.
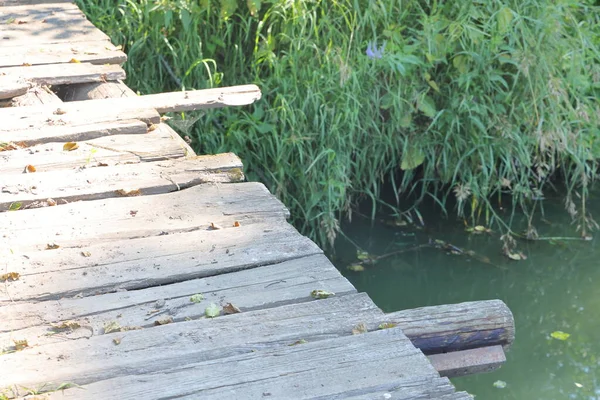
453,327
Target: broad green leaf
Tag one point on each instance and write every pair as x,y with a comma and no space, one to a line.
387,325
186,19
412,158
356,267
500,384
560,335
434,85
212,310
197,298
14,206
253,6
406,120
460,63
504,18
387,101
362,255
321,294
228,7
427,106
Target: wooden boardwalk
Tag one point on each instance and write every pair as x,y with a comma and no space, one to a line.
117,241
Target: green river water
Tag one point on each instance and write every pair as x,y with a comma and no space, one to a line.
556,289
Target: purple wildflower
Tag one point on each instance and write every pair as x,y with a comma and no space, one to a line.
373,51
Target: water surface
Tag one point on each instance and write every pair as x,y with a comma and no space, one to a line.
556,289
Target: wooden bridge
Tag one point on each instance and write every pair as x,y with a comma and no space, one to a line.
132,268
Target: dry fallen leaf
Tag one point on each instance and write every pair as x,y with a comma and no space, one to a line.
29,169
151,127
52,246
230,309
360,328
11,276
65,326
60,111
70,146
236,224
26,65
164,321
86,254
214,226
112,326
129,193
117,341
75,61
51,202
20,344
387,325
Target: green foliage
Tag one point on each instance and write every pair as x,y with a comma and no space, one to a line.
470,99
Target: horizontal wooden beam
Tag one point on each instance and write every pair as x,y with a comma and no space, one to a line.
468,362
453,327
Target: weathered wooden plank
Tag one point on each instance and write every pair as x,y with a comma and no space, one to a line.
36,118
315,369
468,362
36,95
420,387
226,338
51,157
46,23
10,89
60,74
95,91
462,326
200,253
26,2
76,133
259,288
105,220
99,183
99,52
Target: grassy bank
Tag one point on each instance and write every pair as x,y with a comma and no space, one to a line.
466,99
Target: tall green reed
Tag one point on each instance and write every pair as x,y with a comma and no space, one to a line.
474,100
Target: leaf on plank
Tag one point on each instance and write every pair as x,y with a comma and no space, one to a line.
214,227
230,309
164,321
321,294
70,146
212,310
197,298
10,276
387,325
129,193
65,326
52,246
359,329
112,326
15,206
297,342
29,169
20,344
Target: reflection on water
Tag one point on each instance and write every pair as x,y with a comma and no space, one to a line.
556,289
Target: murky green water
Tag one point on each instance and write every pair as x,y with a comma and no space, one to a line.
556,289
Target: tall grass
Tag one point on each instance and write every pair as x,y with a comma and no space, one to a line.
471,99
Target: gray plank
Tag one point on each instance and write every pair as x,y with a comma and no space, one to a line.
119,143
36,95
315,369
259,288
101,221
94,52
46,23
99,183
61,74
37,118
135,264
452,327
468,362
168,346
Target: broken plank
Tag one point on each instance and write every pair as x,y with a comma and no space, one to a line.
99,53
110,219
36,95
168,346
158,260
263,287
98,183
61,74
468,362
451,327
46,23
315,370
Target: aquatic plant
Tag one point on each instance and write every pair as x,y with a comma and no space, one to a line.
480,101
